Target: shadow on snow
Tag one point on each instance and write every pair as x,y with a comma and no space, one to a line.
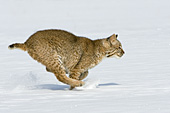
108,84
52,87
64,87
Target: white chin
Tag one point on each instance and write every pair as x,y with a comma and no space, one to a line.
115,56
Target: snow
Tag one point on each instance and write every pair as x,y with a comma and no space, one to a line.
136,83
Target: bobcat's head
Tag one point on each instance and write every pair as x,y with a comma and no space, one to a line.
113,47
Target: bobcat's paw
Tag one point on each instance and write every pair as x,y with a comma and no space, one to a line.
77,84
81,83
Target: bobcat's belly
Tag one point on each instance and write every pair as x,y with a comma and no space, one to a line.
70,64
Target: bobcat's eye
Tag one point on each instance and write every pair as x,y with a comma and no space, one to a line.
120,47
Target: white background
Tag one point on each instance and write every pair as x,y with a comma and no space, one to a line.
139,82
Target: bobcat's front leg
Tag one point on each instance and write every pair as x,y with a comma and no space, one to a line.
78,76
74,75
83,75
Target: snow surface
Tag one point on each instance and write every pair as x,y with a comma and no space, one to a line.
139,82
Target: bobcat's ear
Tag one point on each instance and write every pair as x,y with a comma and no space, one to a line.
116,35
112,38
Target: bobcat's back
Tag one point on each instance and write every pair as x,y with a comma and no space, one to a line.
45,46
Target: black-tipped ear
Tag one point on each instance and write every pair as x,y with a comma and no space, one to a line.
112,38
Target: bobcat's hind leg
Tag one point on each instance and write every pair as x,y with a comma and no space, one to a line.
54,64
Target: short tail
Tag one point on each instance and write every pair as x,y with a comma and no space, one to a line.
21,46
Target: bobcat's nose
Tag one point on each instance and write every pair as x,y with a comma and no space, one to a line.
123,52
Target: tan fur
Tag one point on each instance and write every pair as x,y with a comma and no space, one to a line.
62,52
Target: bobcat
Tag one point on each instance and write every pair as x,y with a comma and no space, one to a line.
65,53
